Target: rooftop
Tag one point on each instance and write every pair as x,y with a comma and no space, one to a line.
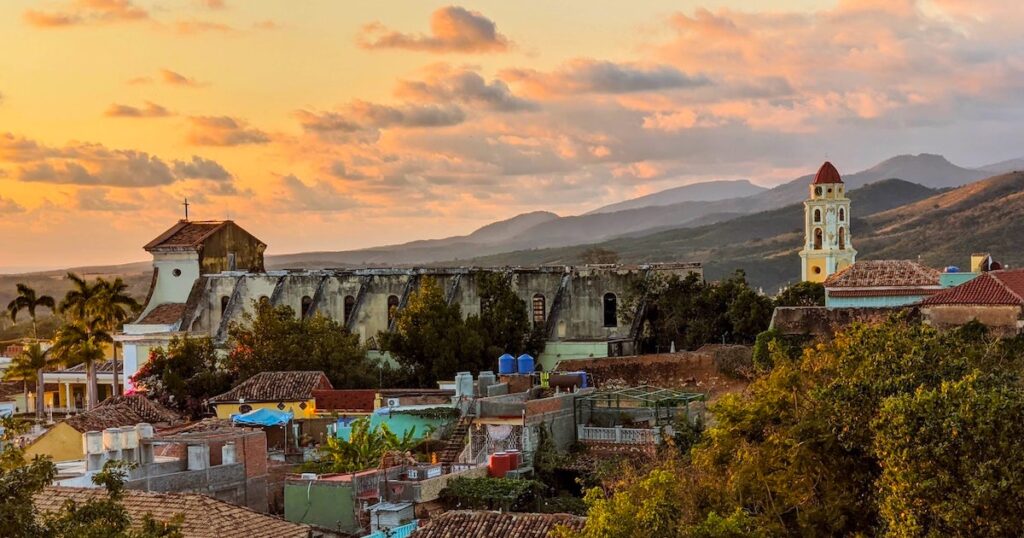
827,174
992,288
482,524
122,411
186,234
204,517
884,274
276,386
164,314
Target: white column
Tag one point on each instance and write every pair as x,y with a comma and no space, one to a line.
68,402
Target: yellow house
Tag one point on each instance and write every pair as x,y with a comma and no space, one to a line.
279,391
63,442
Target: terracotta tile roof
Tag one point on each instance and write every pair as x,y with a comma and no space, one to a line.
482,524
992,288
884,273
104,367
827,174
164,314
185,234
122,411
883,292
10,389
204,517
345,400
277,386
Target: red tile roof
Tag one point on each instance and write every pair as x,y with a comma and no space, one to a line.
122,411
481,524
165,314
827,174
186,234
204,517
276,387
992,288
884,273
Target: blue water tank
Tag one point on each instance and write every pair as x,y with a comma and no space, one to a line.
525,364
506,364
952,269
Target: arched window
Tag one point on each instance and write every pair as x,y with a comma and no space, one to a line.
307,305
224,303
350,305
539,310
264,299
611,310
842,214
817,238
842,238
817,215
392,308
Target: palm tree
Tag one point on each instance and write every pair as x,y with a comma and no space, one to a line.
31,363
28,300
113,306
76,302
81,342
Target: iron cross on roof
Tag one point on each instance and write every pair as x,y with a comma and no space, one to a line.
186,204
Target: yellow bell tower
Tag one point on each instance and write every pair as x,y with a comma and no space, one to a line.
827,244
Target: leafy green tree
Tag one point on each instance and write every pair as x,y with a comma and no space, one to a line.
363,449
184,375
273,338
598,256
19,481
505,494
504,322
802,294
29,301
952,460
30,364
431,341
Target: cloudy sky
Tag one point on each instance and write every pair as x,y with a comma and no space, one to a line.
327,124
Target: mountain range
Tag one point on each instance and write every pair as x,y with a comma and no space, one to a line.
928,212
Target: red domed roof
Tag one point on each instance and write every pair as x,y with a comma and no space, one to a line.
827,174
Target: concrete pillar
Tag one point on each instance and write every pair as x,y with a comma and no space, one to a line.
198,457
227,453
67,396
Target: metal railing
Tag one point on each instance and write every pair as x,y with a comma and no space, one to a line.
618,434
405,531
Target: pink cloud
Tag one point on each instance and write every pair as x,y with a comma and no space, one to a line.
452,29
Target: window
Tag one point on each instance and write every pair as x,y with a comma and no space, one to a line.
307,306
539,310
817,215
817,191
817,239
817,270
264,299
842,214
280,405
350,305
176,272
244,408
392,308
224,299
611,310
842,239
232,266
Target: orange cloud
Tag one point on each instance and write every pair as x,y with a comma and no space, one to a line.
452,29
150,110
223,131
177,79
81,12
594,76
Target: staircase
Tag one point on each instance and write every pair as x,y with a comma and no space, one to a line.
456,441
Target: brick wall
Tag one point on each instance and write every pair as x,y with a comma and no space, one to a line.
1002,320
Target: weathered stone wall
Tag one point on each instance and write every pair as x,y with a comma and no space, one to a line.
1002,320
825,322
573,297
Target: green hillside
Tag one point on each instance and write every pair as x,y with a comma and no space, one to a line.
765,244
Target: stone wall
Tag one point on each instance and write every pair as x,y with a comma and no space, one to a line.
819,321
1002,320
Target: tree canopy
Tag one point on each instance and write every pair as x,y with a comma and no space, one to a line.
184,375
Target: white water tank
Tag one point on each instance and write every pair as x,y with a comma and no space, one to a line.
112,439
464,384
92,442
145,430
129,438
227,453
484,380
198,457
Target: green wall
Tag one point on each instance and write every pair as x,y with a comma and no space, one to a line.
558,351
327,504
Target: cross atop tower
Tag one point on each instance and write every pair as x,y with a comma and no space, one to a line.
186,204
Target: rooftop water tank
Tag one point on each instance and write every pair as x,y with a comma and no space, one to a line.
464,384
525,363
112,439
484,380
93,442
129,438
952,269
506,364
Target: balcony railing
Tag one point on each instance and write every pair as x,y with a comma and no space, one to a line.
620,435
405,531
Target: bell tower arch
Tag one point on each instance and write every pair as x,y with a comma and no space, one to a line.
828,245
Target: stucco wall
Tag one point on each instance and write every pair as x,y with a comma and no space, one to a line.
225,410
61,442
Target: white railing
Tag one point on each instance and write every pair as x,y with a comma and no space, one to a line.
618,434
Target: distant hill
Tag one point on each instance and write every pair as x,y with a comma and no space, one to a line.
764,244
1003,167
708,191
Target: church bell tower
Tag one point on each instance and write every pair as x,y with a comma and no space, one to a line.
827,246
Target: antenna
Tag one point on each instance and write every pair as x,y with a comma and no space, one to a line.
186,204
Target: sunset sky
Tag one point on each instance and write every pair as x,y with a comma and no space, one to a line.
340,124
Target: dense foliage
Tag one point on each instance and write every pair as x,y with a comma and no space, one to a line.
363,449
273,338
891,429
504,494
103,517
802,294
184,375
689,312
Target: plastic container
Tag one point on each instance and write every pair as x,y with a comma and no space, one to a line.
506,364
498,465
525,363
